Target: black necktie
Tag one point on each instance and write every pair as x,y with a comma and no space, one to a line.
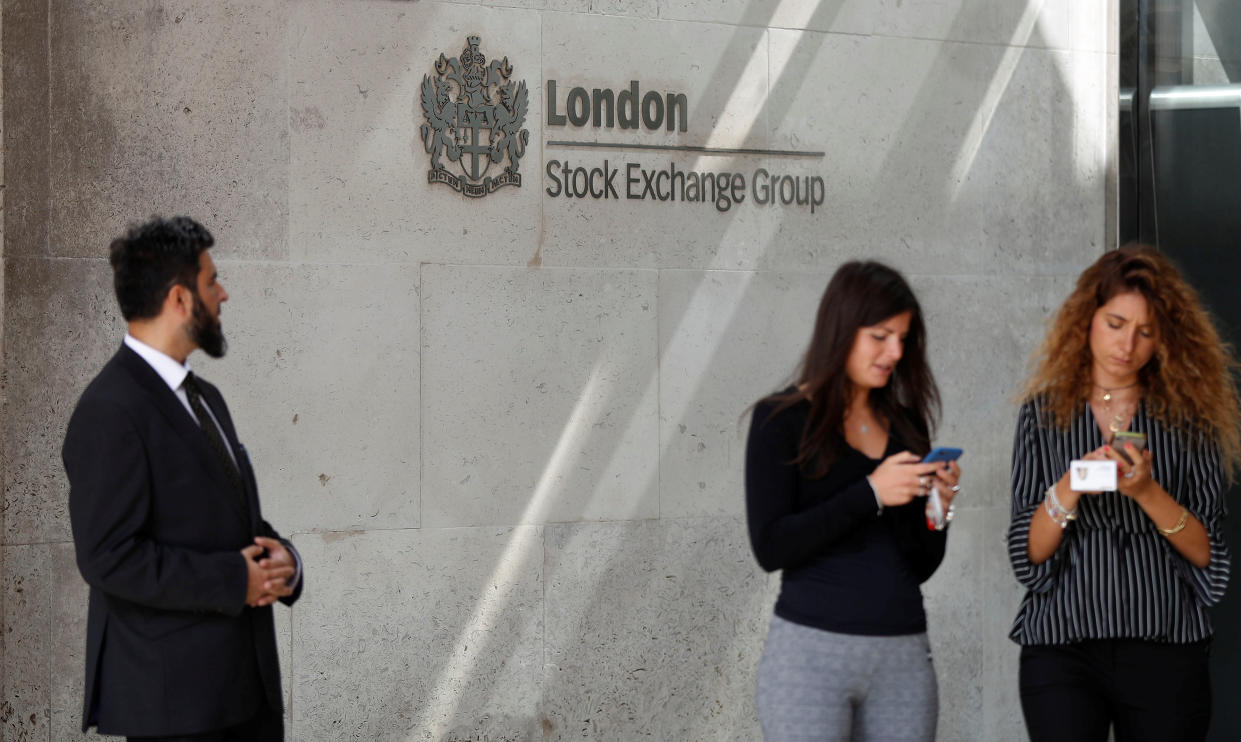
195,394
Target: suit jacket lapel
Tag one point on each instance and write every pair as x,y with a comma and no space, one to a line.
178,417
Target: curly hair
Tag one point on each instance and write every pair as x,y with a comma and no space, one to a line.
1188,383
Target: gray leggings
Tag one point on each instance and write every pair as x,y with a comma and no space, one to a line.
826,687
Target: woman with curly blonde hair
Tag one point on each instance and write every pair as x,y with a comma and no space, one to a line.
1114,626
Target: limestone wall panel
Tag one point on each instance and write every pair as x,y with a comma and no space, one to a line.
359,165
633,8
25,75
840,16
727,338
322,379
654,630
955,614
66,649
27,634
1001,705
61,326
168,107
419,635
942,188
1054,24
539,395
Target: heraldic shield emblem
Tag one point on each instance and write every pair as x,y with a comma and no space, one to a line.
474,116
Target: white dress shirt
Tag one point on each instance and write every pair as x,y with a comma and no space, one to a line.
173,373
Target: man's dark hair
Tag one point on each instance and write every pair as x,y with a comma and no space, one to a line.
152,258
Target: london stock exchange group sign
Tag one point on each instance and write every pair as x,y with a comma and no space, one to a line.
474,114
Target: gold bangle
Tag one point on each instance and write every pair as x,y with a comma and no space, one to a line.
1180,524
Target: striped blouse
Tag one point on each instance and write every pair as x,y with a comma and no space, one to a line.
1114,575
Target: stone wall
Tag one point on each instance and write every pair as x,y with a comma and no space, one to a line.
3,697
506,433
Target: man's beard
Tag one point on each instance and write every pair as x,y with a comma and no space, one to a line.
205,330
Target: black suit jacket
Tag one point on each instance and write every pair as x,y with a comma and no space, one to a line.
171,647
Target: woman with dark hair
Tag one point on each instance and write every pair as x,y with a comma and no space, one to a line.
1114,627
836,499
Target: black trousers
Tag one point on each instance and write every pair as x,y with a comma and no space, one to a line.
1149,691
265,726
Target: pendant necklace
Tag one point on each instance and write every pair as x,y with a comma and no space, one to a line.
1107,393
1118,418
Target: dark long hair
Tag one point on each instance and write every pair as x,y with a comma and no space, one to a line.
861,294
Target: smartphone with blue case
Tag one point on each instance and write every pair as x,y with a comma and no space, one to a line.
942,453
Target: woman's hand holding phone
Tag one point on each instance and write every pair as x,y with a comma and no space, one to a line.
900,478
944,488
1134,465
947,479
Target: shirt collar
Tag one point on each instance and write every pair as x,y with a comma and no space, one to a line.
169,369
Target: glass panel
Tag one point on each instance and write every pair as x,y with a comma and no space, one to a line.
1179,157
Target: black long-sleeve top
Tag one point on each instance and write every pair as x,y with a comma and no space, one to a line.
1114,575
845,567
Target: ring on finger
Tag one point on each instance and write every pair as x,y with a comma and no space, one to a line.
956,488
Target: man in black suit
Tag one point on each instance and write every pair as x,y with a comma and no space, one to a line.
182,568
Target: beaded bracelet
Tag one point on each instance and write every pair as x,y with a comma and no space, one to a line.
948,515
1060,515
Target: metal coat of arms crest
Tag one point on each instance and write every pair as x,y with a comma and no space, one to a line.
474,115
